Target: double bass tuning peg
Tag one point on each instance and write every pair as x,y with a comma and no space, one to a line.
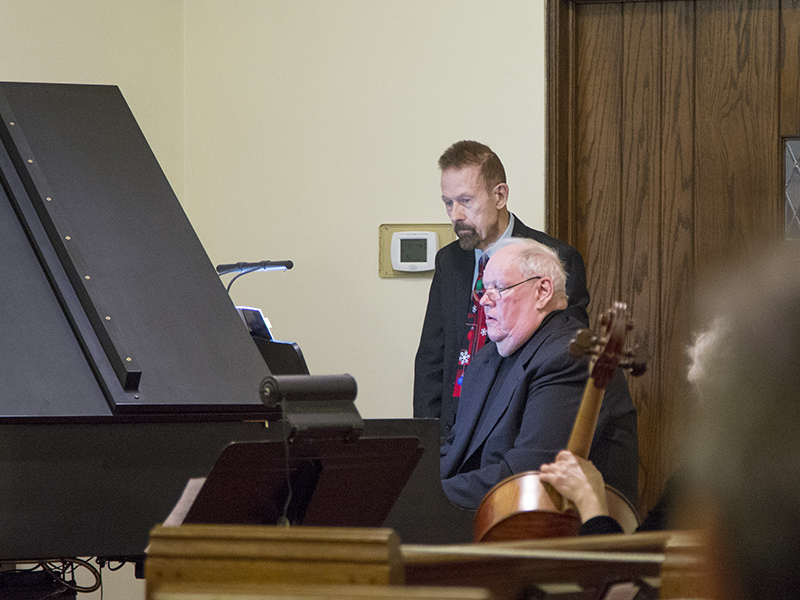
636,360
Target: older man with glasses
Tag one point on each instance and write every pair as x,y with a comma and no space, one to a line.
523,389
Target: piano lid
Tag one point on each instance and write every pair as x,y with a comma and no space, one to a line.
110,304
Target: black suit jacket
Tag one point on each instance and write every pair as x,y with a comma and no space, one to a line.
444,330
530,418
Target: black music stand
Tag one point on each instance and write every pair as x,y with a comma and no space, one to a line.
321,473
334,483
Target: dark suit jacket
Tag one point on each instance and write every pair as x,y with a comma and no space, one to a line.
531,417
444,330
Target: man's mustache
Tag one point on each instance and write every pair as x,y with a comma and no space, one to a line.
465,229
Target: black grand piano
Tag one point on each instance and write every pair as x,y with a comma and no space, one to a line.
125,370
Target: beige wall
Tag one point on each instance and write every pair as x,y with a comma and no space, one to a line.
294,128
137,46
311,122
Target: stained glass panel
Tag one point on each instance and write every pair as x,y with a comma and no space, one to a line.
792,188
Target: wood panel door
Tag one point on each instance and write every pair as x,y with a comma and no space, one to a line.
666,126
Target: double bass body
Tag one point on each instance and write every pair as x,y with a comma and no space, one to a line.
521,507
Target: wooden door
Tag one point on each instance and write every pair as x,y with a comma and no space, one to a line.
666,127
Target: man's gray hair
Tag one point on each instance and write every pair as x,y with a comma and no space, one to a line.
707,346
536,259
743,449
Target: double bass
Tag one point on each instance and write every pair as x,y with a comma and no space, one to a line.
522,507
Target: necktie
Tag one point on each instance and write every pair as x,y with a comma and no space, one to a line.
476,331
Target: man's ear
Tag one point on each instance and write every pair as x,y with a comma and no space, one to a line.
500,195
544,292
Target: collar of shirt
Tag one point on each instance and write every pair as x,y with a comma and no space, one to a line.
479,252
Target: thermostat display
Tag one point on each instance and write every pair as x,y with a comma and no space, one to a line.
414,250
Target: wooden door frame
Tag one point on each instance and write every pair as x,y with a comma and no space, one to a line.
559,136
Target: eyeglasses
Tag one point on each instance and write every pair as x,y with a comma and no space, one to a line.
495,294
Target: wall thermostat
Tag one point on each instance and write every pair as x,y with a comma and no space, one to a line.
414,250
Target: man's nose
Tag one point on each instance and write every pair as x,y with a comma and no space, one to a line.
457,213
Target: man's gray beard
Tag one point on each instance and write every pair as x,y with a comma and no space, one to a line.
468,239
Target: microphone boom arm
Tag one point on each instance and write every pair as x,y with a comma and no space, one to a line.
249,267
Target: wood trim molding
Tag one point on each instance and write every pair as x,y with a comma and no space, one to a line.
559,97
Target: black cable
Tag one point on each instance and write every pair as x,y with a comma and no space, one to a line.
52,571
59,572
284,519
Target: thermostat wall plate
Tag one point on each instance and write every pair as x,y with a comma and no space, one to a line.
409,250
414,250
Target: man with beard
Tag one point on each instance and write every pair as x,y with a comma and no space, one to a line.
475,193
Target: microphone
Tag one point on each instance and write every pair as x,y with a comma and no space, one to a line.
249,267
